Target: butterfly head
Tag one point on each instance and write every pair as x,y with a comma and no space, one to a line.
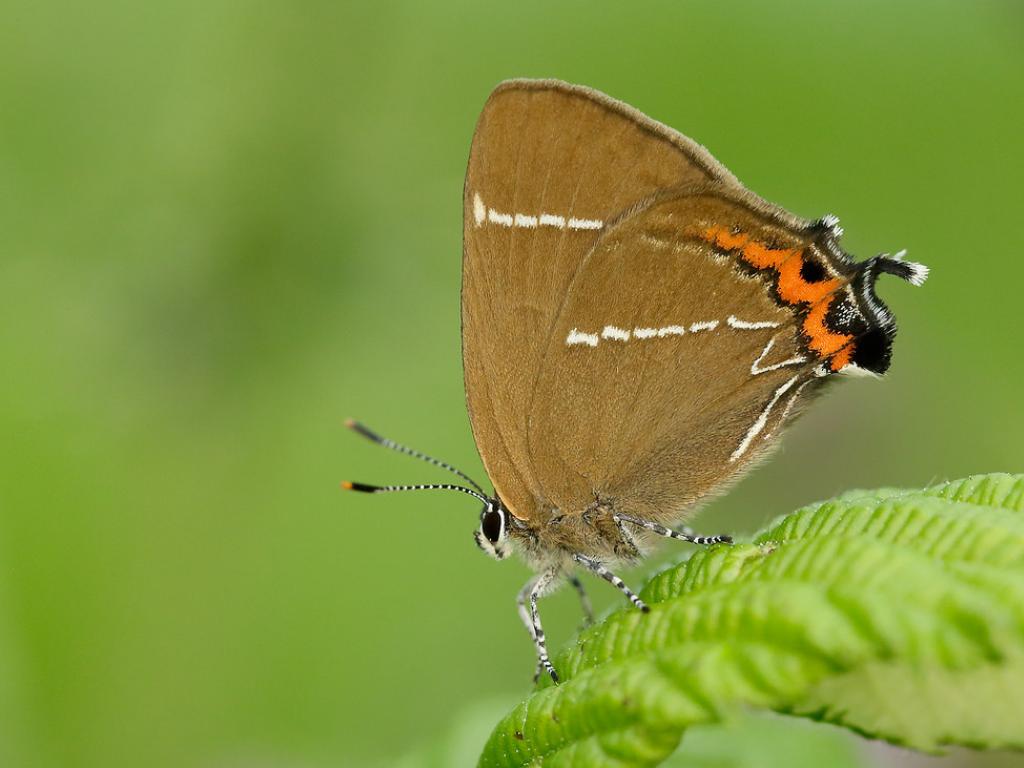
491,536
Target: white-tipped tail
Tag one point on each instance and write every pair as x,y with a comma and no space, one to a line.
918,273
911,271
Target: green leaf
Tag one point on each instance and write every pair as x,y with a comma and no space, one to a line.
898,614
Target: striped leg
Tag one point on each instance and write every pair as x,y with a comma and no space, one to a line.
588,611
661,530
610,577
524,615
530,592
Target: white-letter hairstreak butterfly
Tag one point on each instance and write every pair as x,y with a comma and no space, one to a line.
637,327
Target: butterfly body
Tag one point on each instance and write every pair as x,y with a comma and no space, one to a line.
638,328
553,536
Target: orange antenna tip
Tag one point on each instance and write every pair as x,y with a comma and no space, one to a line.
363,487
350,423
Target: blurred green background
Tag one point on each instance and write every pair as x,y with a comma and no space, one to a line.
225,226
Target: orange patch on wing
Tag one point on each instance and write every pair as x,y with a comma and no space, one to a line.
751,251
823,341
724,238
793,289
761,256
842,358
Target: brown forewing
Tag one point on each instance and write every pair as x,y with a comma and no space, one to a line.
545,148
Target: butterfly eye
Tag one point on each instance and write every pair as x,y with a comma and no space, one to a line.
492,523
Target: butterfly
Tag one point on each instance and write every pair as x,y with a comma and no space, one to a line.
637,329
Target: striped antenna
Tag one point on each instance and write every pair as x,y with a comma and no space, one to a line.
364,488
369,434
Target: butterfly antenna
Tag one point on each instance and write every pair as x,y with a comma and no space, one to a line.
364,488
369,434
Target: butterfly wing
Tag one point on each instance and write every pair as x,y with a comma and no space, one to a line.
551,165
689,336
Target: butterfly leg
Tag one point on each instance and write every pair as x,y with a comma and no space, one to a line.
611,578
588,611
529,594
524,614
661,530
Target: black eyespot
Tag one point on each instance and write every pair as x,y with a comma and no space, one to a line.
490,524
873,351
812,272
